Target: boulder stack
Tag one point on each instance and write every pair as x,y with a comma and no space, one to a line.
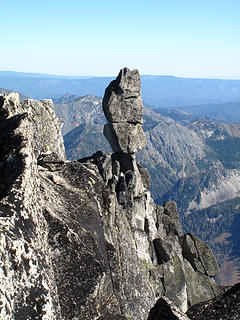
122,106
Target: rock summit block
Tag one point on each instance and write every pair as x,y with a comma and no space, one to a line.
122,106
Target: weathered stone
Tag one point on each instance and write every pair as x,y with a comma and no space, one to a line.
122,105
167,219
125,137
67,249
225,306
156,233
199,286
84,239
122,100
46,133
28,290
145,177
175,283
170,209
199,255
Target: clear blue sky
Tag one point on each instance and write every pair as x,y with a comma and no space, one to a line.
93,37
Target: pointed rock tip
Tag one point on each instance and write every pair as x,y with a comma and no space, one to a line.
127,70
14,96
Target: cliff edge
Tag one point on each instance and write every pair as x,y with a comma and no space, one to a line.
84,239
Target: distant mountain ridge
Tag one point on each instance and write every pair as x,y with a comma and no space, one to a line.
16,74
157,91
74,111
222,112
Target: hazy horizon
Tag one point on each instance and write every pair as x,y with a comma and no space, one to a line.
113,76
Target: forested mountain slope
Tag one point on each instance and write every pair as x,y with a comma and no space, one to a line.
224,112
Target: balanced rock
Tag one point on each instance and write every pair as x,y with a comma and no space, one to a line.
122,106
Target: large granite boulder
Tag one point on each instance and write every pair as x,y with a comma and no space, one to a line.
122,101
125,137
199,255
122,105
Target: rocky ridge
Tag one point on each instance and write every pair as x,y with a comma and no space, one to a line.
84,239
6,92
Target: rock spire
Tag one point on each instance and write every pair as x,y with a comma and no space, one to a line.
84,239
122,106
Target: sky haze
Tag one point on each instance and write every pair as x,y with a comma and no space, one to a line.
97,38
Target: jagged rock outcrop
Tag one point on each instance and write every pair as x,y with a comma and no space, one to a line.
84,239
160,244
226,306
199,255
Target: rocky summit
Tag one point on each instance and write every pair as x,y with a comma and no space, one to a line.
84,239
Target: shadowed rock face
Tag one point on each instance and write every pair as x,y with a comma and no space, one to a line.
122,106
84,239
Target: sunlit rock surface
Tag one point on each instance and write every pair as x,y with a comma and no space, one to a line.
84,239
122,106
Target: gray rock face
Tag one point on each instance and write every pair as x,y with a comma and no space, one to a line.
122,105
84,239
26,275
122,101
125,137
199,255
